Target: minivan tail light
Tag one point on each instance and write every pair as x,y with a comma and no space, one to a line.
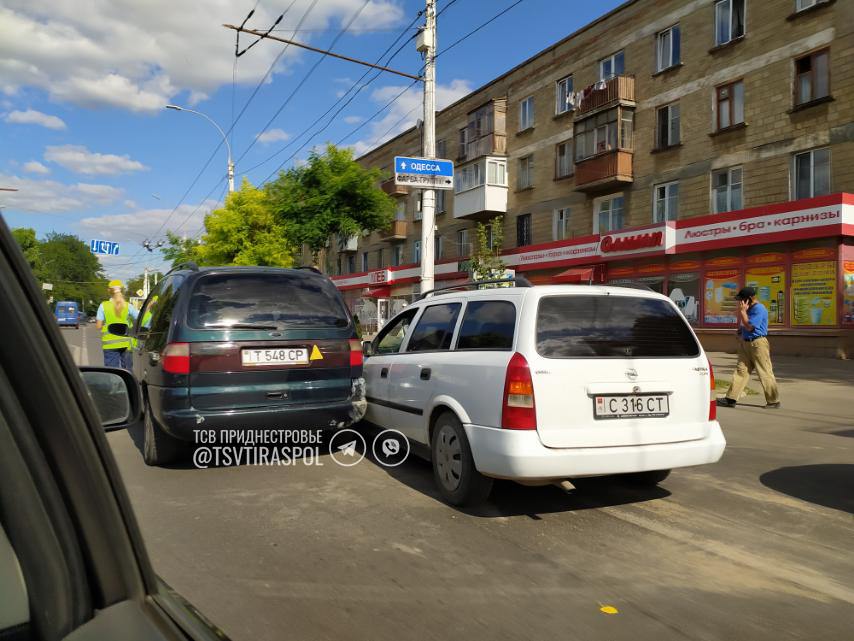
518,411
357,357
176,358
713,402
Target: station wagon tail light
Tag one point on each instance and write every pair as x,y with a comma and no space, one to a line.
713,402
176,358
357,357
518,411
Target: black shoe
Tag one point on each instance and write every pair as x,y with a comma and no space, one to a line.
726,402
773,406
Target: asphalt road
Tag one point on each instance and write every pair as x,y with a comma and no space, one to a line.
758,546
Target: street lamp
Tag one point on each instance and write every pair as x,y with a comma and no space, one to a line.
224,138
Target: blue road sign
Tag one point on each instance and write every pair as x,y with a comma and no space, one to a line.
423,166
106,247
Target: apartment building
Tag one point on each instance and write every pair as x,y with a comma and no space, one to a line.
693,145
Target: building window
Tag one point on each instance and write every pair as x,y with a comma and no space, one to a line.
598,134
468,177
441,148
801,5
560,224
609,215
463,142
416,251
727,190
563,95
812,77
729,20
400,210
666,202
526,172
613,65
397,255
440,201
351,264
667,126
338,272
380,259
667,48
364,261
730,104
438,246
496,173
812,173
490,238
419,204
526,113
463,244
563,160
523,230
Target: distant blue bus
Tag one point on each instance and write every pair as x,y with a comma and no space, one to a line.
66,313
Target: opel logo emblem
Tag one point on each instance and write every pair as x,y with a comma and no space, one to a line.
632,374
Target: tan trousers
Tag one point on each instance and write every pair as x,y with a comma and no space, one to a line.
754,355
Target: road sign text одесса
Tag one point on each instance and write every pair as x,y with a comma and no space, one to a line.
426,173
106,247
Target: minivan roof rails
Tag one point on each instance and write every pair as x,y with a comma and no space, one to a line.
633,284
519,281
191,265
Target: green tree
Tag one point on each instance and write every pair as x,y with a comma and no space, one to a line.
329,195
486,262
179,250
30,246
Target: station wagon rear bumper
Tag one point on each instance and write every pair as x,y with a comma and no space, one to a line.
519,454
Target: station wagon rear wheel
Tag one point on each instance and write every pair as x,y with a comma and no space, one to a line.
158,447
458,480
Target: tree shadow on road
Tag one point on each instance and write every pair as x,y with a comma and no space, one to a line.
830,485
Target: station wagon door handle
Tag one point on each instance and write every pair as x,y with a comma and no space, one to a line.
384,372
425,374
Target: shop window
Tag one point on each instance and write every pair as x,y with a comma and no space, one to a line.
560,224
613,65
814,294
667,130
523,230
721,307
666,202
684,291
435,328
729,20
563,159
729,100
848,292
727,190
812,77
812,173
609,215
563,95
526,173
526,113
667,48
770,284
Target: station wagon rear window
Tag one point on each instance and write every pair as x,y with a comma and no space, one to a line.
612,327
282,300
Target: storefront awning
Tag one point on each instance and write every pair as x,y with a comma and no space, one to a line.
377,292
579,275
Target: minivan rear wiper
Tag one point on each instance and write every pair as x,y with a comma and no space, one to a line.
241,326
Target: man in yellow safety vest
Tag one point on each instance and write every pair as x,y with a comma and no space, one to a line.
112,312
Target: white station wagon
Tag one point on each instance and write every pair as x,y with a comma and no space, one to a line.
541,384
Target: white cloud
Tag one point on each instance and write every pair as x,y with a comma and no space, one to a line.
79,159
33,117
35,167
51,196
353,120
273,135
138,55
405,111
130,204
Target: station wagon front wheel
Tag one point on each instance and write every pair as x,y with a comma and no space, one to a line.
458,480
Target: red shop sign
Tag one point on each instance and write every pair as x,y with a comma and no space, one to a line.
651,240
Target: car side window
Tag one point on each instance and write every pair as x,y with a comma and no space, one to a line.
147,312
161,310
435,328
391,337
488,325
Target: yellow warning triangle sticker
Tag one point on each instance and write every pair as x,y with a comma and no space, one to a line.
315,354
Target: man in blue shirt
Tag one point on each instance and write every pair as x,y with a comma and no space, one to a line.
754,352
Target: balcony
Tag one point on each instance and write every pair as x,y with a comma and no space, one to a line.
618,90
605,171
478,203
494,143
391,189
395,231
350,244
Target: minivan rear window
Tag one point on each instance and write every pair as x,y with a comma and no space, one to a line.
612,327
283,300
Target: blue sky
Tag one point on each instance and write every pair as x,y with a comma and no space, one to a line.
86,140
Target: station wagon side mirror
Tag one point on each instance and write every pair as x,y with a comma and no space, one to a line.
115,394
368,348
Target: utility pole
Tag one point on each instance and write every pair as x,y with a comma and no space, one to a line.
145,284
428,201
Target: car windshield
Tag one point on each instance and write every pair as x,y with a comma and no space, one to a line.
265,300
612,326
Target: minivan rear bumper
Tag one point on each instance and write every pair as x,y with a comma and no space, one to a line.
519,454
